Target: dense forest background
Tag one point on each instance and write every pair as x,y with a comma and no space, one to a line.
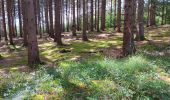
85,49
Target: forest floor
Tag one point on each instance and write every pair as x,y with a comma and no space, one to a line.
107,43
101,45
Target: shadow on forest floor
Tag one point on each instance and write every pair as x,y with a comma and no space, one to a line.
100,44
89,70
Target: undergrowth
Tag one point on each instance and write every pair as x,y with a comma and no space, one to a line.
134,78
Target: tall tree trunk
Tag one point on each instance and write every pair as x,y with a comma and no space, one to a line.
163,12
153,13
4,21
115,13
14,20
33,51
141,19
84,36
25,35
103,15
36,13
74,19
39,19
98,16
128,38
20,18
67,16
51,18
119,16
63,16
9,10
134,24
111,11
78,14
92,11
148,15
47,16
58,22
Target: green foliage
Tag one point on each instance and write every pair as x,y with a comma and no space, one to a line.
109,21
12,84
135,77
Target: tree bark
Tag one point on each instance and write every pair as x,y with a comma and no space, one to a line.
58,22
74,19
115,13
4,21
20,18
92,14
33,51
119,16
25,35
9,10
84,36
47,16
128,38
98,16
153,13
103,15
51,18
141,20
148,15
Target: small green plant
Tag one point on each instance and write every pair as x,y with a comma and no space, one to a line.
135,78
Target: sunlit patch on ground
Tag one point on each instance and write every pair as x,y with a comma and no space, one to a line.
81,69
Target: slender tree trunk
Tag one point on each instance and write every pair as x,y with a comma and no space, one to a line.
98,16
103,15
36,13
39,19
14,20
134,24
42,18
141,19
111,10
47,16
163,12
78,15
74,19
20,18
148,16
25,35
33,52
67,16
119,16
62,16
84,36
51,18
153,13
115,13
4,21
58,22
128,41
92,11
9,10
